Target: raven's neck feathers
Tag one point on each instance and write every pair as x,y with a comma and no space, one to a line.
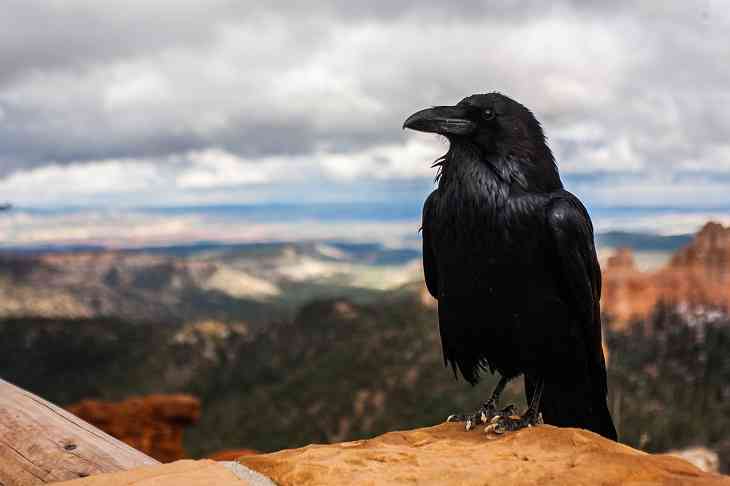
526,171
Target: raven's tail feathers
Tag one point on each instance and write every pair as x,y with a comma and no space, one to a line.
574,404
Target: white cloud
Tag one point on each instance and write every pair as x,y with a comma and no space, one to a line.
656,191
714,159
134,89
126,228
611,156
218,168
149,181
200,101
103,177
408,160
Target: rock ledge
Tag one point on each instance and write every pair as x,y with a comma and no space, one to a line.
446,454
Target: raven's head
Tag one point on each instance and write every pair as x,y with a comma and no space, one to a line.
503,130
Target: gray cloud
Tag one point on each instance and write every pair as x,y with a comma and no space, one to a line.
626,89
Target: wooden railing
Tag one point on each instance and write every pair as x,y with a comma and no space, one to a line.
41,443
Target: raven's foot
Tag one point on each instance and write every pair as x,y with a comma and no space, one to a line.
509,423
484,414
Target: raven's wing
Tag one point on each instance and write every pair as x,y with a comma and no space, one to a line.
430,270
578,273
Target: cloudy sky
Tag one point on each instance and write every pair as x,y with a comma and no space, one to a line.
162,102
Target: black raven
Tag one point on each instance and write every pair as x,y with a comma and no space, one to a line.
509,255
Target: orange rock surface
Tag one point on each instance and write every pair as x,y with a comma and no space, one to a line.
697,276
153,424
446,454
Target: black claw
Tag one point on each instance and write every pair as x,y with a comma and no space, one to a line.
503,424
484,414
487,412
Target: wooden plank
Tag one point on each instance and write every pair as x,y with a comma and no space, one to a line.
41,443
184,472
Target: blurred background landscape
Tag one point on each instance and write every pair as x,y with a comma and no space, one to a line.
211,239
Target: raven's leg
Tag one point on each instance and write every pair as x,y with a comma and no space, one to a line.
487,411
506,423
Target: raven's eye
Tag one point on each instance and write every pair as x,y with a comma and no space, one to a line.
488,114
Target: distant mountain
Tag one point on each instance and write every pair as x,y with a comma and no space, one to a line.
373,253
366,253
251,282
258,282
642,241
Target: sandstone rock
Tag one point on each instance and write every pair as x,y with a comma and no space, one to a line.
446,454
153,424
628,292
696,277
702,457
710,249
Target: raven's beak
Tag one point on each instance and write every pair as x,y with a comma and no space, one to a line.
446,120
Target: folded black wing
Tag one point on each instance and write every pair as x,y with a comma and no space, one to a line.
578,273
430,270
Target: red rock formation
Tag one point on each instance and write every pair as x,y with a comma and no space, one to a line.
627,292
710,250
153,424
697,276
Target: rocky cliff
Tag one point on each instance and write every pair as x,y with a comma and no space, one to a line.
446,454
153,424
697,278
